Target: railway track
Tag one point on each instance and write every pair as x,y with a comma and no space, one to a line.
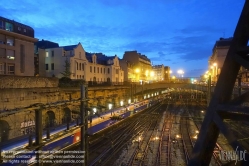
163,157
109,154
197,123
186,138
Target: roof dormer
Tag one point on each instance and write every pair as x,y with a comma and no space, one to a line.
94,58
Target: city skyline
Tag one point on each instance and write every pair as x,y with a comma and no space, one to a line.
176,33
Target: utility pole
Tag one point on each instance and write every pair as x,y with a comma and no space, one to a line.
209,90
239,85
38,133
84,122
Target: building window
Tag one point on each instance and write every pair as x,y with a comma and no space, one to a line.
1,24
22,58
52,66
10,54
2,39
46,66
24,30
1,68
52,53
83,66
116,71
76,65
108,70
46,53
98,69
101,70
104,70
2,53
8,26
11,69
80,66
90,68
94,69
19,28
10,41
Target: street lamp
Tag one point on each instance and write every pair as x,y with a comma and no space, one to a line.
215,71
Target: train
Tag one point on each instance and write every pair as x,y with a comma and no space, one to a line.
68,138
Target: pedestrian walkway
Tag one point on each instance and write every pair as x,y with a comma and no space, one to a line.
106,116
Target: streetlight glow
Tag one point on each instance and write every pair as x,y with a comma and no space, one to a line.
137,70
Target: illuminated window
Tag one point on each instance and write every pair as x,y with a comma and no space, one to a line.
10,54
8,26
24,30
10,41
46,53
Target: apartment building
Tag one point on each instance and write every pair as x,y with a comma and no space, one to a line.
94,67
158,72
217,59
16,48
104,68
141,66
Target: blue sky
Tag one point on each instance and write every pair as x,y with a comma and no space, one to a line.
176,33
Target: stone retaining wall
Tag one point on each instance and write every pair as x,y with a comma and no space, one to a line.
27,82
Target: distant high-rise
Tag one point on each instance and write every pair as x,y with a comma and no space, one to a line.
16,48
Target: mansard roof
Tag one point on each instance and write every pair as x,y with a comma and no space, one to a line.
44,44
101,58
69,48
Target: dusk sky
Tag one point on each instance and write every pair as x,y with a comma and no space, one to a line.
176,33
